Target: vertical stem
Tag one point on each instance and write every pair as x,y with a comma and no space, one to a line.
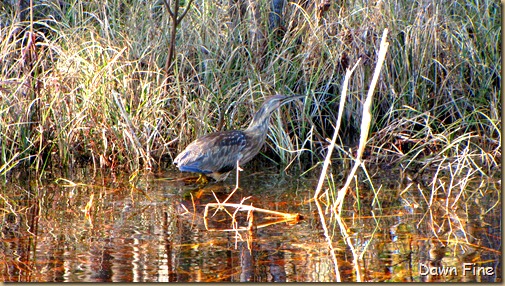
365,121
173,34
275,16
327,160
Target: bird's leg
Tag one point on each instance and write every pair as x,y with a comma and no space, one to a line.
236,184
238,174
202,179
232,192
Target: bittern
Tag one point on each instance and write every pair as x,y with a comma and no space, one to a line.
217,154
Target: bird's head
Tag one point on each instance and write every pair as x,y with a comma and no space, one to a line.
273,102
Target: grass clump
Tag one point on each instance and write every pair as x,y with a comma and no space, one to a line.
86,82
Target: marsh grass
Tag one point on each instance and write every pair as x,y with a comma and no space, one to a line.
84,82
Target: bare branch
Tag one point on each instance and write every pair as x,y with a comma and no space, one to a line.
184,13
168,8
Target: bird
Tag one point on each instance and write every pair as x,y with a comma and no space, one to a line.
216,154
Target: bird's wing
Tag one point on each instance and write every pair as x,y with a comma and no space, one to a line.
215,152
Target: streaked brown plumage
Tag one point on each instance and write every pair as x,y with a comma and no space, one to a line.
216,154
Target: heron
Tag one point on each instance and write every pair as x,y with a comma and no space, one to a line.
217,154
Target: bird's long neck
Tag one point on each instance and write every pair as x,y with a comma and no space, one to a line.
259,124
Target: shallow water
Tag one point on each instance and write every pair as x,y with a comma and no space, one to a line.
108,227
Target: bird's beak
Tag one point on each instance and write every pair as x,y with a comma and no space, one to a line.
291,98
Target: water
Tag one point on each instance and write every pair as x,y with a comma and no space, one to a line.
107,227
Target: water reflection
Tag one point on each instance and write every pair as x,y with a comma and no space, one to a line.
153,230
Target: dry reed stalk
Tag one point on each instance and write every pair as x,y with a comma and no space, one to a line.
365,125
365,122
327,162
